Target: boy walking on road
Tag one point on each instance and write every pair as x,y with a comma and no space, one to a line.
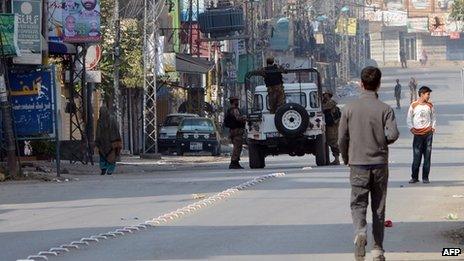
367,127
422,122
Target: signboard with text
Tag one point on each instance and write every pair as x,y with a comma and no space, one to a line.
33,98
9,34
81,21
29,14
55,21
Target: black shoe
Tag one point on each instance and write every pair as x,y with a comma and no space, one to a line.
426,181
235,165
103,172
412,181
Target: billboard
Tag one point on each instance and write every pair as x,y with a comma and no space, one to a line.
347,26
389,18
9,34
29,14
420,7
438,25
33,98
418,25
55,20
81,20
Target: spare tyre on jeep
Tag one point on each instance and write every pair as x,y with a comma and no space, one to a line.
291,120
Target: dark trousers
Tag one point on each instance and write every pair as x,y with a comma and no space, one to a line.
373,180
422,146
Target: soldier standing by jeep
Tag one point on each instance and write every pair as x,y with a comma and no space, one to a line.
236,124
332,118
274,82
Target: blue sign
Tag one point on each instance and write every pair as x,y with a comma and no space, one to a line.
32,96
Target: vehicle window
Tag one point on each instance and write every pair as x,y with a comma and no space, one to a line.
197,125
258,103
295,98
173,120
313,100
291,98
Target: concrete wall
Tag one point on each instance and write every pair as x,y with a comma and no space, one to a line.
434,46
385,46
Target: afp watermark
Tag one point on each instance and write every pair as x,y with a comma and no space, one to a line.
451,251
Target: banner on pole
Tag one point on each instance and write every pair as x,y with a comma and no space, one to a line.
9,34
29,31
33,98
81,20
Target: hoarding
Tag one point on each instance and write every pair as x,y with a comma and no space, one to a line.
418,25
33,98
420,7
29,14
389,18
55,20
81,21
9,34
346,26
438,25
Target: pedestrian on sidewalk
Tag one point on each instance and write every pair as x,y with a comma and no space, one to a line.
413,89
236,124
332,119
424,57
422,122
108,140
403,60
398,94
367,127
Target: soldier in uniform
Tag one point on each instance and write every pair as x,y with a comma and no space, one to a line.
332,118
236,124
274,82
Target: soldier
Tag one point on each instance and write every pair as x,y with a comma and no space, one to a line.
274,82
332,118
236,124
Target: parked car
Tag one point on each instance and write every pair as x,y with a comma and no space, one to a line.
198,134
168,131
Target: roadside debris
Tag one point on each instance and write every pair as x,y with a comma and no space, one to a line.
307,168
198,196
388,223
452,216
458,196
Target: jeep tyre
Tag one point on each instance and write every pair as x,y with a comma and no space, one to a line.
322,151
291,120
256,156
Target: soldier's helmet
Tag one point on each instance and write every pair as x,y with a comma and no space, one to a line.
328,92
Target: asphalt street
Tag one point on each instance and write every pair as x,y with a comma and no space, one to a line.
303,215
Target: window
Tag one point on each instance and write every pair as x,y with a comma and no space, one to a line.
313,100
173,120
292,97
258,103
197,125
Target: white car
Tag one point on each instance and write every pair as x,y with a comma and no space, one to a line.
297,128
168,132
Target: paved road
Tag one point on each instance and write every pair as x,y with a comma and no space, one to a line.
302,216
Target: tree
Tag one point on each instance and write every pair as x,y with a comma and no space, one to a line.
457,10
131,54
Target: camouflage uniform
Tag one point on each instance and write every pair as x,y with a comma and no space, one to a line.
332,131
276,97
236,137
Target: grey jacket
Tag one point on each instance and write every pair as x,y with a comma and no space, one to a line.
367,127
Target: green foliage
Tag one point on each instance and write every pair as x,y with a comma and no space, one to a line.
131,54
457,11
43,148
131,44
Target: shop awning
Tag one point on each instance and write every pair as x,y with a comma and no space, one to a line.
194,65
57,48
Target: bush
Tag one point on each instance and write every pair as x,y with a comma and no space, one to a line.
44,148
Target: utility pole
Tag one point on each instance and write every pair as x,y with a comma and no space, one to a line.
117,63
6,110
150,65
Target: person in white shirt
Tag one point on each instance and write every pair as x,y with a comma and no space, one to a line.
422,123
